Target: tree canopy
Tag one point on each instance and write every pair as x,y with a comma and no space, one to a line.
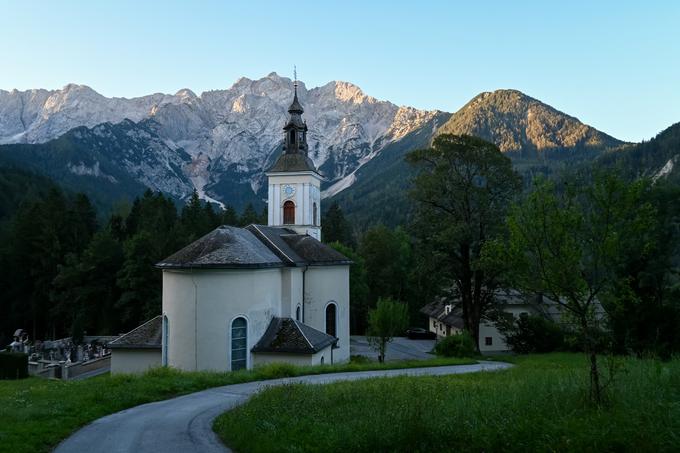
462,190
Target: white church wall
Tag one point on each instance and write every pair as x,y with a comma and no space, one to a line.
201,306
179,301
293,359
134,361
323,285
323,357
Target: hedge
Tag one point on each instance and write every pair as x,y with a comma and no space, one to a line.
13,365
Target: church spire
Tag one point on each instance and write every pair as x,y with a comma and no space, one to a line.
296,129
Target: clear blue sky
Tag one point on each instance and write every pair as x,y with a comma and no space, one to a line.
614,65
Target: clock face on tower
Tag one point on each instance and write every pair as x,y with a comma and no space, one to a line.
288,190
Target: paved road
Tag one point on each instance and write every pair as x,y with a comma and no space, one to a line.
400,348
184,424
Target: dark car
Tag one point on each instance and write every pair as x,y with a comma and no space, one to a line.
417,333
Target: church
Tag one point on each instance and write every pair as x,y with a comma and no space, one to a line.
240,297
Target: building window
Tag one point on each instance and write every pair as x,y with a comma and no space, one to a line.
297,313
239,344
314,209
331,312
289,213
165,340
488,341
292,136
321,360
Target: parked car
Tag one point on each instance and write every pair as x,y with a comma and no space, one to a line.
418,333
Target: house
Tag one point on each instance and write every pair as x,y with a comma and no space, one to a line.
239,297
444,317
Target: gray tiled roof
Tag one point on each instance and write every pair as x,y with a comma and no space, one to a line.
224,247
292,162
437,310
433,309
298,249
286,335
272,237
146,336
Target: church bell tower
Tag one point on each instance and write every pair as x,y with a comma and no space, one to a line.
294,182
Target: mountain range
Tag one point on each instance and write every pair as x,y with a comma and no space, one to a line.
221,141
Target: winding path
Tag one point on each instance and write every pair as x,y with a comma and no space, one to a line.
184,424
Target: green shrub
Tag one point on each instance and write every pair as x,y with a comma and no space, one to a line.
460,345
359,359
13,365
530,333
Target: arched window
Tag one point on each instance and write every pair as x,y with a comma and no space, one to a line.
239,344
165,340
289,213
297,313
314,212
331,310
292,136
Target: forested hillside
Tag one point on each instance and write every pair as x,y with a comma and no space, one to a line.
658,158
65,271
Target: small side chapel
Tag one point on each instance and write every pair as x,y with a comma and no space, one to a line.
239,297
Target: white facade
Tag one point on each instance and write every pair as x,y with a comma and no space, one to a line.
200,306
329,285
303,189
134,361
324,357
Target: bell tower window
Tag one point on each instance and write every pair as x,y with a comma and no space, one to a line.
289,213
292,136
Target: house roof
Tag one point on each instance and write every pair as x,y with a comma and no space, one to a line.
286,335
437,310
434,308
453,320
224,247
146,336
297,249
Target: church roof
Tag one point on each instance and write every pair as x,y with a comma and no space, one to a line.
224,247
286,335
146,336
292,162
298,249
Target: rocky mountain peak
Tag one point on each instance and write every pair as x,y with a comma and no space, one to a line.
514,121
229,134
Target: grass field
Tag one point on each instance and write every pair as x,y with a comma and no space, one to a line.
36,414
539,405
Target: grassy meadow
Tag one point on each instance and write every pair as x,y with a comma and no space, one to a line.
539,405
36,414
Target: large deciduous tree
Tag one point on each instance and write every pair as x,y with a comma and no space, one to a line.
571,244
463,188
